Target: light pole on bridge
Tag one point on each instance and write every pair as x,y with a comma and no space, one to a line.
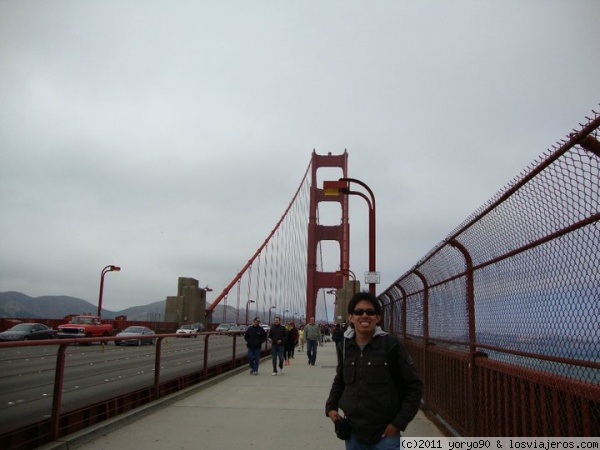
342,187
352,275
247,305
335,302
207,314
271,309
110,268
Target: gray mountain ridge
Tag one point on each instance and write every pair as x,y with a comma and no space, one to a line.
18,305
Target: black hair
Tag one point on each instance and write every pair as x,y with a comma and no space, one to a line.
365,296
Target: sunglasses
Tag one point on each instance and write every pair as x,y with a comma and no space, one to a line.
360,312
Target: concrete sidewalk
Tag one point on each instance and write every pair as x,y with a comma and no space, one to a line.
235,410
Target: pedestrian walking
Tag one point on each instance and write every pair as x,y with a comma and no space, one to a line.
255,336
301,338
312,335
326,333
376,384
338,334
291,340
277,335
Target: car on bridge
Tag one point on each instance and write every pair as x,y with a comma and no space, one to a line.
190,329
225,326
27,332
84,327
136,335
237,329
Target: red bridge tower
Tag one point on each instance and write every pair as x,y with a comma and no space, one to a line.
341,233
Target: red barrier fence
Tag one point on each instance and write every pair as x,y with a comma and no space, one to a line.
502,317
210,354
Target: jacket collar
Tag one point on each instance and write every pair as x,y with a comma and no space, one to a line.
350,335
350,332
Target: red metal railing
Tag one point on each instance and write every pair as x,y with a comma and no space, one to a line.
502,316
63,423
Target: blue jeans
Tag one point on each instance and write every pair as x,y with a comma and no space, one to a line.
311,350
388,443
254,358
277,352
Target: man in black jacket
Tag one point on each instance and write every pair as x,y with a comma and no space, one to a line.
277,335
376,384
254,337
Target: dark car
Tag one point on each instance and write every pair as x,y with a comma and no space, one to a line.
199,327
225,326
136,335
28,331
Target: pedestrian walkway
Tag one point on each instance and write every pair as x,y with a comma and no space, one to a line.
235,410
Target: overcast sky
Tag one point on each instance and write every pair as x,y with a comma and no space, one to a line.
168,137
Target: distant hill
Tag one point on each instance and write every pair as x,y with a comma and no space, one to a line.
16,304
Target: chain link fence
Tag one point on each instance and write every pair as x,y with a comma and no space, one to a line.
503,316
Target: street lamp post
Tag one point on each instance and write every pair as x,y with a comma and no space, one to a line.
247,305
271,309
107,269
342,187
352,275
207,317
335,293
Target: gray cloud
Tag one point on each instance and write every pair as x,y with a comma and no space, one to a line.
169,138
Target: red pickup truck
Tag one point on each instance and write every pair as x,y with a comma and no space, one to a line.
84,326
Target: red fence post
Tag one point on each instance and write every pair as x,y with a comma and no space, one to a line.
58,387
426,354
205,367
473,418
157,357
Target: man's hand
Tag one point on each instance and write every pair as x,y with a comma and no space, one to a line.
390,430
333,415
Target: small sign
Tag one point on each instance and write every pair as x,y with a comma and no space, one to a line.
372,277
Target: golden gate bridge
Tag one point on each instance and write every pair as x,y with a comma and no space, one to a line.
501,317
287,273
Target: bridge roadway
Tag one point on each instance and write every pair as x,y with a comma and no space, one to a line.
235,410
